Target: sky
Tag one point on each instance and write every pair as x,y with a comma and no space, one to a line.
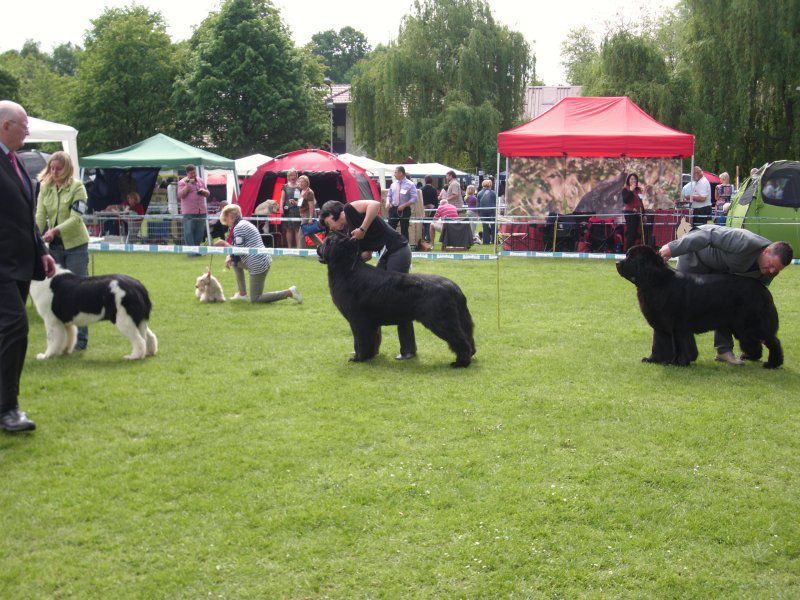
543,23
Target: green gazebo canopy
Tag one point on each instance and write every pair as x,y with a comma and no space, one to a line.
158,151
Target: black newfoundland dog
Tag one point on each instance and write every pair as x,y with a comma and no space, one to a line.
678,305
369,297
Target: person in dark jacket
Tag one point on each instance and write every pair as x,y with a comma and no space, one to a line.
23,257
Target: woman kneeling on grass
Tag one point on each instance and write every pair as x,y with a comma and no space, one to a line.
245,235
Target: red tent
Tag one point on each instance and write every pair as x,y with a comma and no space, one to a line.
595,126
331,179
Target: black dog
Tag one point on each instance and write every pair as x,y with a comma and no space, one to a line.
369,297
678,305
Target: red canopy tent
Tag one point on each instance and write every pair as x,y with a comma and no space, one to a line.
331,179
595,126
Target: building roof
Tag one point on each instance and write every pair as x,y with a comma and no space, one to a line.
341,93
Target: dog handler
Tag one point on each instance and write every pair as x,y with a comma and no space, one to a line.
245,235
361,219
727,250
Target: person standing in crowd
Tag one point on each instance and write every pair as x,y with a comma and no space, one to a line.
722,193
308,206
487,206
23,257
454,195
429,201
361,219
633,209
245,235
701,198
290,201
728,250
471,201
402,194
59,213
193,193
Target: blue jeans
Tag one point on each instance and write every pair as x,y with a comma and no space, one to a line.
76,260
194,229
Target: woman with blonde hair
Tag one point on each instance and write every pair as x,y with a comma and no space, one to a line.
308,206
290,201
59,214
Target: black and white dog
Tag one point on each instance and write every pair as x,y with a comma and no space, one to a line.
66,301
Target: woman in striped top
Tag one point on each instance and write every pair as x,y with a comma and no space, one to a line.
245,235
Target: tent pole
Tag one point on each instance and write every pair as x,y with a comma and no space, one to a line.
202,171
497,233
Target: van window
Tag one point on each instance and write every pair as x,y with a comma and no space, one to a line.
782,188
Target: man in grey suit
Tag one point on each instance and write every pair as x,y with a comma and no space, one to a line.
726,250
23,256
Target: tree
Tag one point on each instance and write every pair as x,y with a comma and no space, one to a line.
9,86
579,56
453,79
65,58
339,52
124,79
43,92
247,88
745,68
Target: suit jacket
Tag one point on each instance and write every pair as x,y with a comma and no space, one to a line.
719,249
21,245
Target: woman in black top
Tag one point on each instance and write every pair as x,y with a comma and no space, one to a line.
633,208
362,221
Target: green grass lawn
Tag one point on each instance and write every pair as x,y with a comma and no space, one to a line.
249,459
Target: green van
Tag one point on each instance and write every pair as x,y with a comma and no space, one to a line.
768,203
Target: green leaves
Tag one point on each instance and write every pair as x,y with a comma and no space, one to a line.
443,91
247,88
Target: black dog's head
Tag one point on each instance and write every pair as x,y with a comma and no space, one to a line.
643,266
338,248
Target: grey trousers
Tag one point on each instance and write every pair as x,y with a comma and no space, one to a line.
257,287
723,338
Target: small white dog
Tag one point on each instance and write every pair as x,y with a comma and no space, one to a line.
208,288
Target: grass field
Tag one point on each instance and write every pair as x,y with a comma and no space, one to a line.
249,459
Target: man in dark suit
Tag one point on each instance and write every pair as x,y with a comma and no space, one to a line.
23,256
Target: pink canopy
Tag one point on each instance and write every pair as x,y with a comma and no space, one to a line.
595,126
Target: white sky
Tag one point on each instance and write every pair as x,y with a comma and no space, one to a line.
543,23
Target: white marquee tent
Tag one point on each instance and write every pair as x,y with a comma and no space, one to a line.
40,130
247,165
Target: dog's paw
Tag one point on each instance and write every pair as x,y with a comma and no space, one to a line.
133,356
42,356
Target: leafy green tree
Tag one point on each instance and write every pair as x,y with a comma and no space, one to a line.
247,88
745,70
124,79
9,86
339,52
43,92
579,56
65,57
453,79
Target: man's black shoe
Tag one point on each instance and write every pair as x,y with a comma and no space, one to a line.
16,420
405,356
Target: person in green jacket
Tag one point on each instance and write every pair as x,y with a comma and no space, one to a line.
59,213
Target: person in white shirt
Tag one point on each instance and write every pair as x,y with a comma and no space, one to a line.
701,198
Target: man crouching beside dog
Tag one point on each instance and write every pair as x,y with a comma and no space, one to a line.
245,235
715,249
